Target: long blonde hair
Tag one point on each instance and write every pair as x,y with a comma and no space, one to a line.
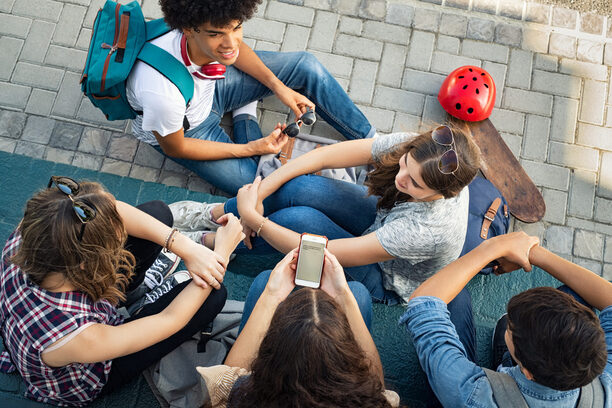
426,152
97,265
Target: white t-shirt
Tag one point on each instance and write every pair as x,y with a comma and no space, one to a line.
159,99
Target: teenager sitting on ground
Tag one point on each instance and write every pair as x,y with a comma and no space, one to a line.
559,345
66,268
412,224
209,31
309,348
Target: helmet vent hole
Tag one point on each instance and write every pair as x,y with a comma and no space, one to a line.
486,86
474,79
458,106
464,86
461,77
482,74
470,69
477,91
470,110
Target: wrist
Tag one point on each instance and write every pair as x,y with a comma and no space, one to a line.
271,298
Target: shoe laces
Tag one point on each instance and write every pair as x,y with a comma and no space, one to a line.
159,291
154,275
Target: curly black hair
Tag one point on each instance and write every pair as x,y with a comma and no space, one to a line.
191,14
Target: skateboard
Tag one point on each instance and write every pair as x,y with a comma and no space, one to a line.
502,169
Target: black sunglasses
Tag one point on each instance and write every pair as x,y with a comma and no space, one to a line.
85,211
307,118
448,163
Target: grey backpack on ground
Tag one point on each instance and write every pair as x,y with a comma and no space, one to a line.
174,379
301,144
508,395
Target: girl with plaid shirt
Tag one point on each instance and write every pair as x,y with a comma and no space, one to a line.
65,270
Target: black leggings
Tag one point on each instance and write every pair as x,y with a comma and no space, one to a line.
126,368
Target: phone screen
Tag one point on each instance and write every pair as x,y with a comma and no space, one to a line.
310,261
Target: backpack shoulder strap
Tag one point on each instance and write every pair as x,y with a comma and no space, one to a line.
155,28
169,67
505,390
591,395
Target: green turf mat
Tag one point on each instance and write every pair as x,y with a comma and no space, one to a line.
22,176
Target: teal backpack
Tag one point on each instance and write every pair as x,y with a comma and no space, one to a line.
120,37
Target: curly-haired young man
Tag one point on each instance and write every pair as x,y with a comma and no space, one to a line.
208,32
556,342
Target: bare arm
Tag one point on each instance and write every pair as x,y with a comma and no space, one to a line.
350,251
279,286
344,154
451,279
177,145
596,290
333,282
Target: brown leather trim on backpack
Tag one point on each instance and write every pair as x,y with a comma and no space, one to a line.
112,98
285,154
489,217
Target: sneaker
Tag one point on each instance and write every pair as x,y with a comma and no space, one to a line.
164,265
501,355
193,216
160,290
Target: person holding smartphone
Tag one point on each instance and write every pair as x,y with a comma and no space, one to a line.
405,224
309,347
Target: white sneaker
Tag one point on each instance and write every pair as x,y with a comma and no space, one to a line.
164,265
158,291
193,216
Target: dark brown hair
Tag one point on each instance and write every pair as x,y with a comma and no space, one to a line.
98,265
310,358
557,339
426,152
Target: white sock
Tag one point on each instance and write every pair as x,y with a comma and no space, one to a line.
249,108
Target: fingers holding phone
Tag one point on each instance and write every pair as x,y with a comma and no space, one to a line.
310,260
281,281
333,281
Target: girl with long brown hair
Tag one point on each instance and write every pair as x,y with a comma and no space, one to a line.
310,348
66,269
408,222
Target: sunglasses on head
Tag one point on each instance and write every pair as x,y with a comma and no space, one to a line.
84,211
307,118
448,163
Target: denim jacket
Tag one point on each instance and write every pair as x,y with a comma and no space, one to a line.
457,382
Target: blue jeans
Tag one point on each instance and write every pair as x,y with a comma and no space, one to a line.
338,209
298,70
259,284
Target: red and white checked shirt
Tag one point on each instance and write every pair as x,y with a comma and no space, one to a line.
31,319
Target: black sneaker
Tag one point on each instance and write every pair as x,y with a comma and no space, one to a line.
501,355
164,265
160,290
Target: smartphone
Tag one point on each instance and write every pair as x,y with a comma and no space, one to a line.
310,260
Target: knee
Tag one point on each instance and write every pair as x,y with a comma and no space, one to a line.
159,210
310,63
216,300
259,283
361,294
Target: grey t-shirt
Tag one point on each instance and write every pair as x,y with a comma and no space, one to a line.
422,236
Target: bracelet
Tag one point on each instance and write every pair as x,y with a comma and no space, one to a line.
261,226
169,240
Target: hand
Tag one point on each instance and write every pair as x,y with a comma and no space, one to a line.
205,266
228,235
247,201
248,231
297,102
515,248
282,279
273,143
333,281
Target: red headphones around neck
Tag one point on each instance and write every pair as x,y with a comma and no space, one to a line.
212,70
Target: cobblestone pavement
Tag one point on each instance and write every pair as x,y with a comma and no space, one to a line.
551,66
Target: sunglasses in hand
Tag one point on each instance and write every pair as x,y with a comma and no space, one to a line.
307,118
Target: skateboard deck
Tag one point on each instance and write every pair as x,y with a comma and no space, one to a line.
502,169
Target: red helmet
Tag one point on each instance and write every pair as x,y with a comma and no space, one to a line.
468,93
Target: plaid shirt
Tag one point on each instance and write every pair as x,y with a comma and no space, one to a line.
31,319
